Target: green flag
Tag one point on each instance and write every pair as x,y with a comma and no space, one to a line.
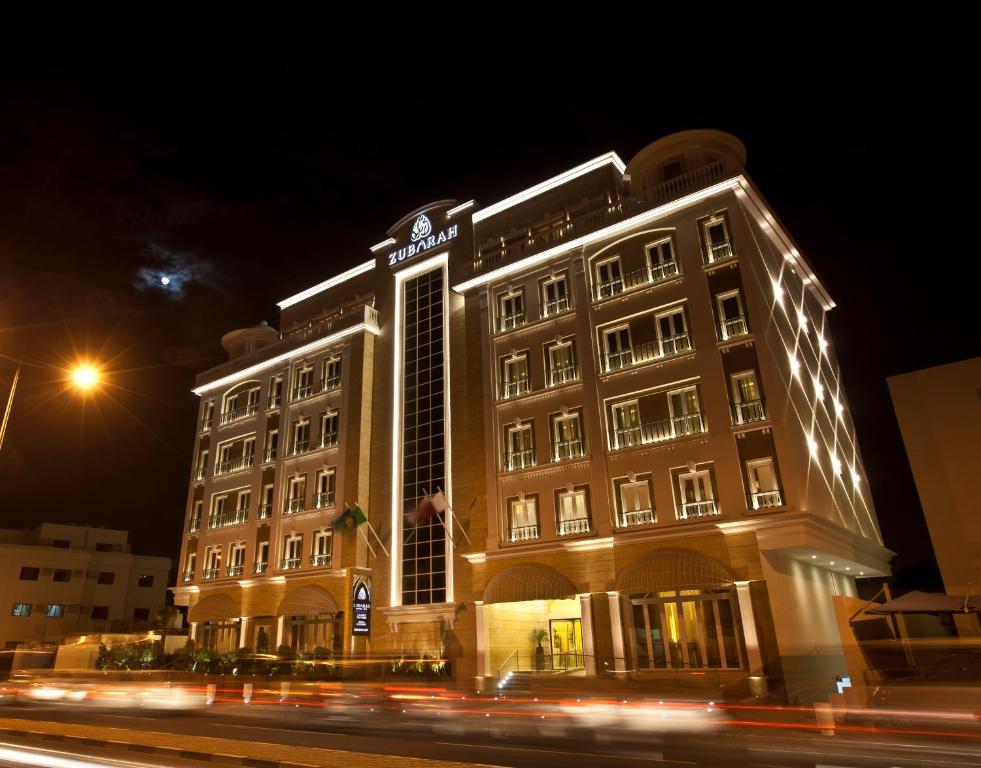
357,515
350,518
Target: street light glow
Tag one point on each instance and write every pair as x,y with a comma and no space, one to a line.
84,376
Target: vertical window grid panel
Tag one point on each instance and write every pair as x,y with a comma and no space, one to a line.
423,437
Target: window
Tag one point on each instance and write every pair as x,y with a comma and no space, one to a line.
102,546
236,558
261,556
272,445
686,416
715,234
208,414
747,403
555,295
322,547
520,451
106,577
100,612
54,610
609,278
301,436
29,574
202,465
20,609
732,320
248,452
510,310
224,464
61,543
566,436
296,493
619,350
145,581
212,562
195,522
189,565
672,332
626,424
328,429
62,574
265,508
661,261
141,614
695,495
523,518
292,552
324,495
217,516
514,375
252,401
275,391
330,375
573,512
634,500
304,381
764,492
561,363
242,506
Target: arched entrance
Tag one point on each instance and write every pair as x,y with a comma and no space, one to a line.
684,611
217,620
311,616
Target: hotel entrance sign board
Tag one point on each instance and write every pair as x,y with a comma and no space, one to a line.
361,608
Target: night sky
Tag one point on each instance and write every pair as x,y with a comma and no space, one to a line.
245,182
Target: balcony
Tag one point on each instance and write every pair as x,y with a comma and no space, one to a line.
328,440
689,510
572,526
562,375
234,414
235,570
332,382
235,517
209,573
298,447
260,568
269,455
765,499
519,460
557,307
650,350
733,328
515,387
524,533
319,560
302,391
568,449
275,401
194,524
188,575
264,512
290,564
214,520
207,423
748,412
658,431
638,278
634,517
292,506
201,474
510,322
325,499
234,465
717,252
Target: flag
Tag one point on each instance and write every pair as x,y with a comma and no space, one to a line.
439,503
351,517
422,511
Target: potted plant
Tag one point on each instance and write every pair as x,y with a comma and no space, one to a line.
537,635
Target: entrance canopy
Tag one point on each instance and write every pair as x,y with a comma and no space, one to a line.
307,600
929,602
528,581
668,570
214,608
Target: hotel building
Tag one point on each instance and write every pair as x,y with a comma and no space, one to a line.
621,380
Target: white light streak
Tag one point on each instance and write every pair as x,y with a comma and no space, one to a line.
329,283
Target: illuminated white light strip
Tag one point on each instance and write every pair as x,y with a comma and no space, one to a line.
395,585
384,243
611,231
336,280
461,207
306,349
610,158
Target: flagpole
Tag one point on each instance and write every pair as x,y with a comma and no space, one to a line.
367,543
451,510
377,538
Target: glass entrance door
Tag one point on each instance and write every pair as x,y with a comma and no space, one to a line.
567,651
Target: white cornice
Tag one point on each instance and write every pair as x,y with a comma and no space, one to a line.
329,283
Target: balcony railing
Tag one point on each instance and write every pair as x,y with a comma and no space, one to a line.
293,505
209,573
524,533
636,517
275,400
234,465
316,560
765,499
325,499
715,252
201,474
264,512
732,328
567,449
556,307
188,575
562,375
269,455
572,526
290,564
207,422
298,447
748,411
675,345
235,516
234,414
214,520
194,524
302,391
515,387
260,568
649,350
655,273
331,382
235,570
509,322
519,459
328,440
656,431
689,510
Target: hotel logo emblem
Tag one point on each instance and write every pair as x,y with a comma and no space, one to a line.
421,228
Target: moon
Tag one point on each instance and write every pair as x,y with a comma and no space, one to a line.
165,280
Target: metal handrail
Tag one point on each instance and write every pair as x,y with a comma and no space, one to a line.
513,655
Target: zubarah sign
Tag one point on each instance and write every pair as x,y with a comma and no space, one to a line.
422,240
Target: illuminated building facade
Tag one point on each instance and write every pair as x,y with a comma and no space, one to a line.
621,383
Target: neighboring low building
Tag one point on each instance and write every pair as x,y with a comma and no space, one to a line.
59,580
939,414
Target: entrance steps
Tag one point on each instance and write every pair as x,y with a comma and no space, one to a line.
515,681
